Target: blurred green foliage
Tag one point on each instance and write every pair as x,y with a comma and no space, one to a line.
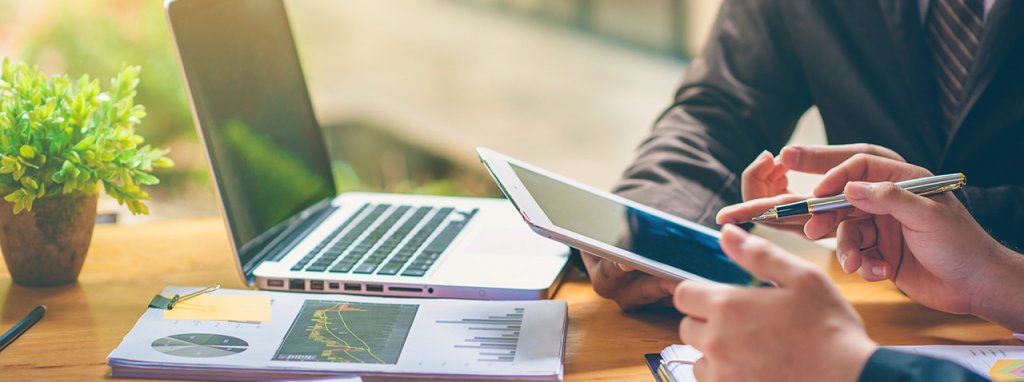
99,37
59,137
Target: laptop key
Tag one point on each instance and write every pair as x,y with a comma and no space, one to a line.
385,247
341,268
365,268
320,246
335,248
391,268
433,251
317,267
416,268
351,259
384,244
414,272
414,243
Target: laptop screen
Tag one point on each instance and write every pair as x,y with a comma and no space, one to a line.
265,147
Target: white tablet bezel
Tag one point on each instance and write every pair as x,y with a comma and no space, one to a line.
499,167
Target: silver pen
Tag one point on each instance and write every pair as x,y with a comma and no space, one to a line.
922,186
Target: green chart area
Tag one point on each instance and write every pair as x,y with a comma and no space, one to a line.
350,332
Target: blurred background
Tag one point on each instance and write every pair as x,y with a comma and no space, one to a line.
405,90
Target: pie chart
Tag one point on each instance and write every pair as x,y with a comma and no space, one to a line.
200,345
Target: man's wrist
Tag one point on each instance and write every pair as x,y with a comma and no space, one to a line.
858,358
999,298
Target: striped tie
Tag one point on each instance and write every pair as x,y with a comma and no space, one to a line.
954,34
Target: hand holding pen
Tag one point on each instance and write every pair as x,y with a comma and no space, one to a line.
804,209
922,186
765,182
836,163
861,234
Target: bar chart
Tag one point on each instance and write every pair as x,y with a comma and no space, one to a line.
493,338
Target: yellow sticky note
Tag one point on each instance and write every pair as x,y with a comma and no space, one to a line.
1007,370
222,307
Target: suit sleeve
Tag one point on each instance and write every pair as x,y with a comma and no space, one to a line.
1000,210
895,366
743,95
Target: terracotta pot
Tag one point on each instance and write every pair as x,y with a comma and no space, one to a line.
47,246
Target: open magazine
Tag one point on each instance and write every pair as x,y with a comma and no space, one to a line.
317,335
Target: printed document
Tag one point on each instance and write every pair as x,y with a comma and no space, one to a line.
678,359
330,335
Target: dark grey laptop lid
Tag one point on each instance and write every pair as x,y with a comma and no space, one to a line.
254,116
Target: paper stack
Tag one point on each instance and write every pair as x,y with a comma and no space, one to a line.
314,335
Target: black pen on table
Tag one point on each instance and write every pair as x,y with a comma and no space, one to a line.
18,329
922,186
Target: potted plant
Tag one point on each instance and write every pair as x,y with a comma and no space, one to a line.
60,143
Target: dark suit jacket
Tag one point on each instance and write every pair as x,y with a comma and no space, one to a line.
866,66
893,366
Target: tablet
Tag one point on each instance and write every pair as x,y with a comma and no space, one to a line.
613,227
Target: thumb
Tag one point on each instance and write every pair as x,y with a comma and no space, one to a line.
763,259
913,211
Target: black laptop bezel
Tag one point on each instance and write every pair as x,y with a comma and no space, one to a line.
286,234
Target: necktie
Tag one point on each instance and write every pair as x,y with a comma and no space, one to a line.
954,34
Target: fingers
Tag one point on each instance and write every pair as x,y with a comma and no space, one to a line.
866,168
764,172
764,168
887,252
701,370
602,269
818,159
624,267
853,236
779,172
642,290
745,211
696,299
605,275
873,267
913,211
859,249
820,225
760,168
765,260
693,331
629,289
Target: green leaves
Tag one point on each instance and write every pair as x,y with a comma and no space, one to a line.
27,152
64,137
21,199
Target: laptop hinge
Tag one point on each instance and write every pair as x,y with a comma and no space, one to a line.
293,233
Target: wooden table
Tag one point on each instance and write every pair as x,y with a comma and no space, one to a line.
128,264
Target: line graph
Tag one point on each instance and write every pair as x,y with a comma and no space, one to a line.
347,332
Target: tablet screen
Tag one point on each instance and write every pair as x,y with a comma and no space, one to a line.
630,229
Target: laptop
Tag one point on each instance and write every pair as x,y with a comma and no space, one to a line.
290,229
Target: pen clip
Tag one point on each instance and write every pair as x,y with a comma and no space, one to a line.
946,187
163,302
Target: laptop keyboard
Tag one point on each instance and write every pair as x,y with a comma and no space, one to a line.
384,249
